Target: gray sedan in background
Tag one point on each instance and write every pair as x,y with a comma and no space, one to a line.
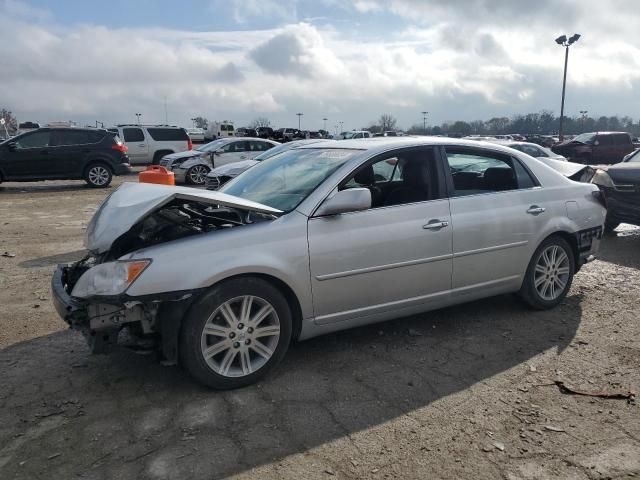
320,238
193,166
221,175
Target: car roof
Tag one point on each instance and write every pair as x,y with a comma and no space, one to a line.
382,144
74,129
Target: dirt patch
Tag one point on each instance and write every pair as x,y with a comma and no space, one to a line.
466,392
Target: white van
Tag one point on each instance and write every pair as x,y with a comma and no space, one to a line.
219,130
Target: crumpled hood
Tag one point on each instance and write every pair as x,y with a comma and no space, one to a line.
232,169
131,202
186,154
568,169
628,172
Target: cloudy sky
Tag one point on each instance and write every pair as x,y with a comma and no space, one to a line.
349,61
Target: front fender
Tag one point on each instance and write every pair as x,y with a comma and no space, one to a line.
275,248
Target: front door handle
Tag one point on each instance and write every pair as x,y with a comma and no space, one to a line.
141,145
435,225
536,210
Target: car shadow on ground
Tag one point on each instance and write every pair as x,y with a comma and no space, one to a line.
126,416
621,247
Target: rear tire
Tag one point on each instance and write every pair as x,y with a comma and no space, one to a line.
98,175
549,274
235,333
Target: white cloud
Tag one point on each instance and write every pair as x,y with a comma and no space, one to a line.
456,62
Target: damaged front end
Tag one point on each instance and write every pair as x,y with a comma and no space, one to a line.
91,295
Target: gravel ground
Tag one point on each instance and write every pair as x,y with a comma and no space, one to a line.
465,392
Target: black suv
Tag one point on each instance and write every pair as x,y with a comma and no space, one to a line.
94,155
265,132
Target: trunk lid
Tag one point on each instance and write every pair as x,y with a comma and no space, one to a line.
132,202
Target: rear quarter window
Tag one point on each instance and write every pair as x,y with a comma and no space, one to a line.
622,139
168,134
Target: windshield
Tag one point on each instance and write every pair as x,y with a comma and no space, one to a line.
212,146
585,138
285,180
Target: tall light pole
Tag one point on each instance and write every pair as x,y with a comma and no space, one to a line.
583,117
424,122
194,121
299,117
566,43
138,115
324,127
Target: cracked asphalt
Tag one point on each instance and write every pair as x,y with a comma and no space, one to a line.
465,392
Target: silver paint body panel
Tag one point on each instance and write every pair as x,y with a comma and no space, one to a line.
362,267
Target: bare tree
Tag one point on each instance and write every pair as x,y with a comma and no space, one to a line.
201,122
260,122
387,122
10,122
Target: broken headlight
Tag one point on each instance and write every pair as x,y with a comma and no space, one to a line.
111,278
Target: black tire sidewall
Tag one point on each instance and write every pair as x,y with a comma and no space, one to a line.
195,319
98,164
529,293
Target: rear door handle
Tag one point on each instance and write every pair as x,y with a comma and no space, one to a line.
435,225
141,145
536,210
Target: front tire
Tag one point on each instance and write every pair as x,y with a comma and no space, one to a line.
549,274
98,175
197,175
236,333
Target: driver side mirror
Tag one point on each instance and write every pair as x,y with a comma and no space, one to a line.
350,200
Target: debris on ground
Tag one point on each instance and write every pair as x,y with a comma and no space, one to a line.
414,333
569,390
552,428
8,255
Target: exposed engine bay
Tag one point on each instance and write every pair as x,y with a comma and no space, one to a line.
180,219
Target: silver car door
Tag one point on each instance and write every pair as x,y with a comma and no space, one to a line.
497,207
393,256
135,141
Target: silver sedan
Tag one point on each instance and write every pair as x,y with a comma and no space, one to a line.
321,238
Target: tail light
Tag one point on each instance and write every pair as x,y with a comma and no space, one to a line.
189,144
120,148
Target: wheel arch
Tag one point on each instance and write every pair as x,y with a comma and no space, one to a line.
158,154
571,239
97,160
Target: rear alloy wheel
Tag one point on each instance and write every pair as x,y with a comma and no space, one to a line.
197,175
549,274
236,333
98,175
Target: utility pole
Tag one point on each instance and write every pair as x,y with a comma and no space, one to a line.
299,117
583,117
566,43
138,115
166,115
424,122
324,126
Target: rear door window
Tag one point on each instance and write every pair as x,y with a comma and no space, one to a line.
79,137
133,135
476,171
168,134
622,139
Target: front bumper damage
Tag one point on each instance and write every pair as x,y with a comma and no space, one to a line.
151,322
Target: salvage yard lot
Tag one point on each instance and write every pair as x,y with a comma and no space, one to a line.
463,392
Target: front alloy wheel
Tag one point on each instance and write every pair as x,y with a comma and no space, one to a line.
549,274
236,333
241,336
197,174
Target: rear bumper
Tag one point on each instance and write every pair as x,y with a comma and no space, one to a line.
122,169
588,242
